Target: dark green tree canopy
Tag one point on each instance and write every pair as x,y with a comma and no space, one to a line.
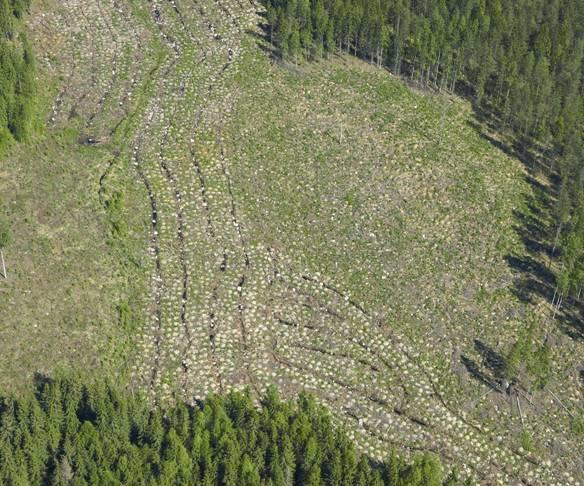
70,431
16,73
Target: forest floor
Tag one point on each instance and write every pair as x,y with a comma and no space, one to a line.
199,217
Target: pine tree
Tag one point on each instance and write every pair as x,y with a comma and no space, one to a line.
60,436
248,474
6,19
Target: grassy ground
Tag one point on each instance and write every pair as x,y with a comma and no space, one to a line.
75,283
396,196
66,276
240,222
411,210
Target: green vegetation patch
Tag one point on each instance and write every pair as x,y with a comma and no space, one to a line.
17,68
76,261
389,192
77,432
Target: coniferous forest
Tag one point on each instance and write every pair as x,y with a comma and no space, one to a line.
17,68
72,431
522,62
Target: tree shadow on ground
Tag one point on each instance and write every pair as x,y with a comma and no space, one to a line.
492,362
473,368
262,39
534,223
